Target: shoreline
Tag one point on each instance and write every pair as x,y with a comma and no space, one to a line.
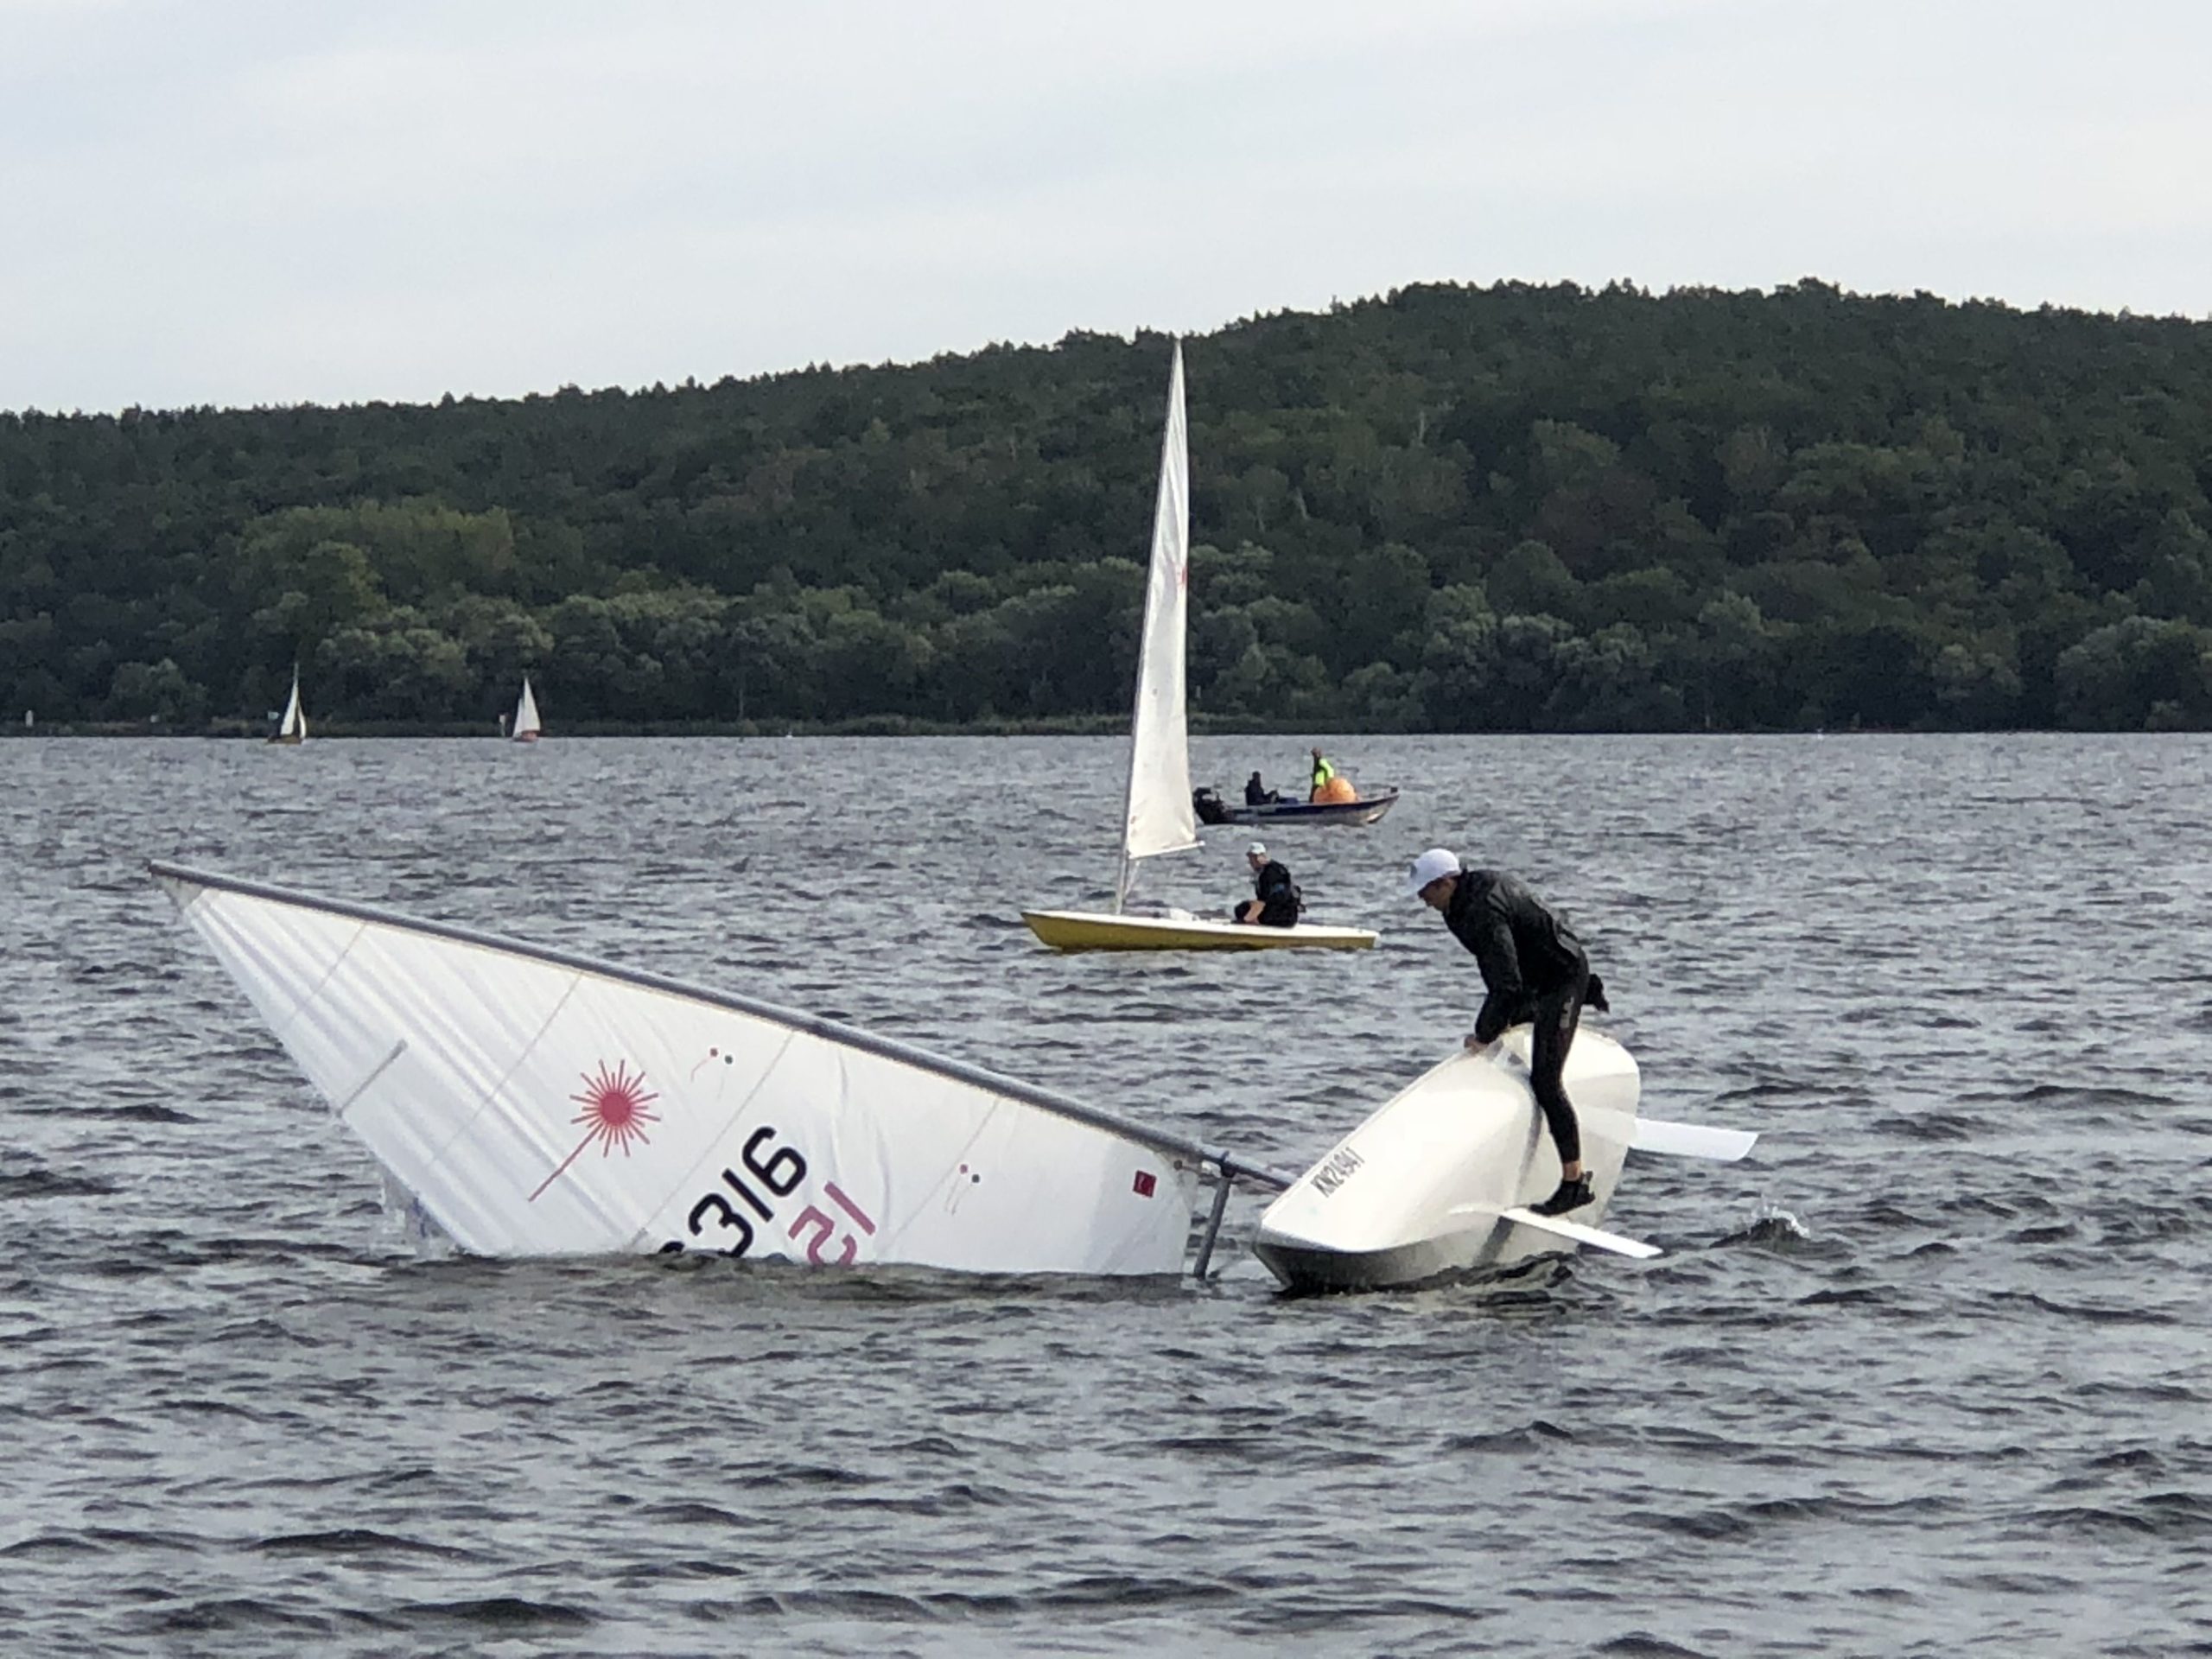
894,727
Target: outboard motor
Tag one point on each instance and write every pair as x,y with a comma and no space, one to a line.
1208,806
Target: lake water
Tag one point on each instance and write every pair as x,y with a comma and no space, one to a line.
1928,1374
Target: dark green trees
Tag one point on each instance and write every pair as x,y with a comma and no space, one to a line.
1512,508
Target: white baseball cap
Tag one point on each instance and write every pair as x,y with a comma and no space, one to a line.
1257,849
1434,863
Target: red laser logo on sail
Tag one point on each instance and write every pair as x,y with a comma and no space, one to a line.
614,1108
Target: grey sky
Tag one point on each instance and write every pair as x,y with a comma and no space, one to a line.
213,201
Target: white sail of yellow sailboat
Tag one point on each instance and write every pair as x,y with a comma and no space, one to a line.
1158,816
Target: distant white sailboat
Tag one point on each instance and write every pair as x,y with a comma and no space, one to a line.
293,729
1159,815
525,727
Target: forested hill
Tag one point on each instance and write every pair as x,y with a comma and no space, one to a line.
1456,508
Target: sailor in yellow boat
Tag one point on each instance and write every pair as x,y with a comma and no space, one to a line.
1278,901
1329,783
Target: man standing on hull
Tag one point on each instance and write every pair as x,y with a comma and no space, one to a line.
1534,969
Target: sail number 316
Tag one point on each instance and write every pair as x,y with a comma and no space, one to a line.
776,1172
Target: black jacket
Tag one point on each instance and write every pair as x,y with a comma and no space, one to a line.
1278,895
1525,952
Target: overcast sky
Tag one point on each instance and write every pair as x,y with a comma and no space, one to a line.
213,201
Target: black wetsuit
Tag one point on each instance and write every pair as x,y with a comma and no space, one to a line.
1257,793
1278,896
1535,970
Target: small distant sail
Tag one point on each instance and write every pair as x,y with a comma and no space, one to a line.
293,729
529,1101
526,727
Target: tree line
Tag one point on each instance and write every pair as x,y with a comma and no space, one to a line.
1453,508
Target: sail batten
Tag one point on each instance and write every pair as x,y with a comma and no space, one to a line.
1159,818
655,1115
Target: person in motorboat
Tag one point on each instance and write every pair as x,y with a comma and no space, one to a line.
1330,785
1324,774
1534,969
1278,900
1257,793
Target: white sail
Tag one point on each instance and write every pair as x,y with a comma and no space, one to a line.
1160,818
526,727
531,1102
294,723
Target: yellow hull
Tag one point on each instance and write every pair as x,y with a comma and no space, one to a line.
1071,930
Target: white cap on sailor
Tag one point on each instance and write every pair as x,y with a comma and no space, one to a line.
1431,866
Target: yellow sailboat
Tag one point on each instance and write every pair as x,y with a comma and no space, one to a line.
1076,930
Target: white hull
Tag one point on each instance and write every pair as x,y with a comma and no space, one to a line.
1421,1187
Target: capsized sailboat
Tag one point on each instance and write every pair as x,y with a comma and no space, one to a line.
525,729
1157,815
293,729
523,1101
1439,1179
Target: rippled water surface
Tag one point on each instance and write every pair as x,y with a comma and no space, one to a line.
1927,1375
